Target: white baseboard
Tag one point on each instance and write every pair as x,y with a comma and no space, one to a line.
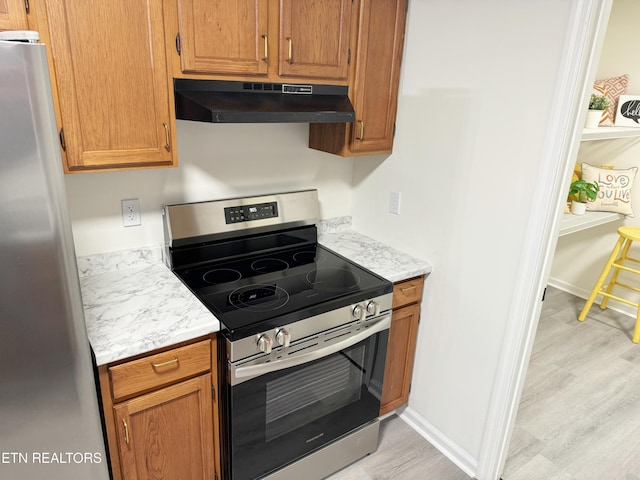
582,293
567,287
436,438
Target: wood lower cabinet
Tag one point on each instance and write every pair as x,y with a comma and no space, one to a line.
163,434
264,40
113,91
161,414
402,344
374,92
13,15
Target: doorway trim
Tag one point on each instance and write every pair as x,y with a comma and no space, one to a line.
583,43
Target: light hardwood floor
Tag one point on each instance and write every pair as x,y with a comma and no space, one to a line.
402,454
579,416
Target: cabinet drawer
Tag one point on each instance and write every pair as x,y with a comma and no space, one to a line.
407,292
160,369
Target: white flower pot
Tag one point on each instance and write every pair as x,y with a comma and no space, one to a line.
578,208
593,118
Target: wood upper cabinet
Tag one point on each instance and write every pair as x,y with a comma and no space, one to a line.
263,39
314,38
114,98
402,344
163,434
223,36
374,92
160,414
13,15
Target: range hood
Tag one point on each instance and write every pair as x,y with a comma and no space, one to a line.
249,102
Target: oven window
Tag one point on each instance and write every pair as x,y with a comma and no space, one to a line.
276,418
312,392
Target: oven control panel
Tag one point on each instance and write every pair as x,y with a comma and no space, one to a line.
246,213
289,335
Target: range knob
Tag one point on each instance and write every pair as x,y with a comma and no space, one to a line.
359,312
265,343
283,337
373,308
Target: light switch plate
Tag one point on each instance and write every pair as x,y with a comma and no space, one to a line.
394,203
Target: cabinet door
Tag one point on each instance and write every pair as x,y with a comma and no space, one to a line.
223,36
13,15
374,92
377,75
314,38
168,434
399,364
112,83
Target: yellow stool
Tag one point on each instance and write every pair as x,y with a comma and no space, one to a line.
627,236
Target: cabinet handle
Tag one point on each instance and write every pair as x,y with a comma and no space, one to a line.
167,142
126,431
266,48
289,50
63,144
407,289
165,364
361,136
178,47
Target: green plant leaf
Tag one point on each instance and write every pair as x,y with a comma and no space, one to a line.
598,102
584,190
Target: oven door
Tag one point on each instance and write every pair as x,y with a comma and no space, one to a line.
283,413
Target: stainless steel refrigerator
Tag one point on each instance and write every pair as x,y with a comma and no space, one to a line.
49,416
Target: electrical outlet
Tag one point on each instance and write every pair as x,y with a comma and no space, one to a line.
131,212
394,203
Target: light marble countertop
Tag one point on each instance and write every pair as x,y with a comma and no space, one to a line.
138,305
134,304
378,257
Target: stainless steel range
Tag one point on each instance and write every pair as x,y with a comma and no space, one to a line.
304,333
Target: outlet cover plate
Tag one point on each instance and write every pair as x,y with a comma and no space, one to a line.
131,212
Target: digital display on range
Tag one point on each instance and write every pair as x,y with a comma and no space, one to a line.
245,213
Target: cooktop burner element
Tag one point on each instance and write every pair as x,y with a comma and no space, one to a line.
308,256
333,279
266,265
259,298
221,275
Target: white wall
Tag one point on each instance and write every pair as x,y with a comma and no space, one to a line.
580,256
215,161
476,89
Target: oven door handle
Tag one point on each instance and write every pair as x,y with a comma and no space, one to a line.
244,373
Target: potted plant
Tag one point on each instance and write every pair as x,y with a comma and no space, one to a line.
597,105
582,191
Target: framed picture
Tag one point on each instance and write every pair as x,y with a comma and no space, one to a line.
628,111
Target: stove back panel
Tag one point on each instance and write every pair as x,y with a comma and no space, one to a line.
229,218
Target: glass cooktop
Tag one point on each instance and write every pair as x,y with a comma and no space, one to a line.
294,283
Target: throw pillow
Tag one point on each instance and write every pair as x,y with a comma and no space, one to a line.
613,88
615,188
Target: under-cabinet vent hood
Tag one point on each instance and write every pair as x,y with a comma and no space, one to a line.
249,102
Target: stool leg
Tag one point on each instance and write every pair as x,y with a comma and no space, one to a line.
616,272
600,281
636,330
